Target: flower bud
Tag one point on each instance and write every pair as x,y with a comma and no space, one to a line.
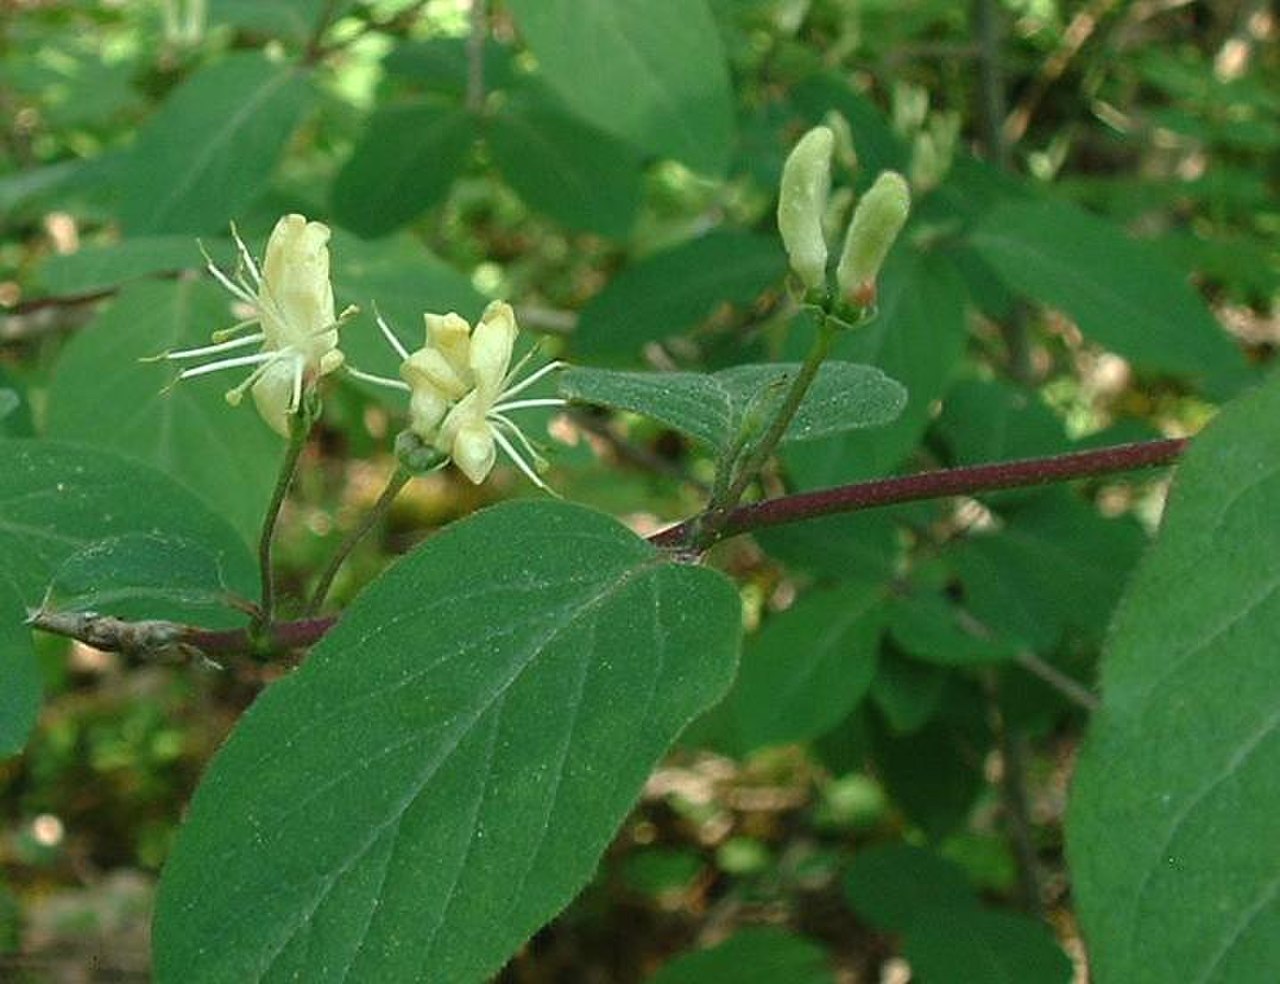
806,181
876,222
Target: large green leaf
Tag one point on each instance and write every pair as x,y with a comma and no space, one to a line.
675,290
756,955
1172,827
130,575
809,666
103,393
209,150
20,694
917,338
57,498
442,774
405,163
1123,295
712,408
577,174
651,71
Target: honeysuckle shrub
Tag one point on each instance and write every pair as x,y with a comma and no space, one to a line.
733,458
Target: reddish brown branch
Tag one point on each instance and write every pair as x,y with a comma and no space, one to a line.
968,480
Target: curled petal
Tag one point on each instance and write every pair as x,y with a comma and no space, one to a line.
491,346
429,367
450,335
296,298
275,390
474,451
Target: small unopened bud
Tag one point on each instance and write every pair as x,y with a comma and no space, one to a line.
806,181
876,222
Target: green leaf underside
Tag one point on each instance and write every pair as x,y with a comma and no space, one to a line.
105,394
674,291
759,955
211,147
129,575
442,773
711,408
404,164
808,667
653,72
1123,294
1172,825
20,694
57,498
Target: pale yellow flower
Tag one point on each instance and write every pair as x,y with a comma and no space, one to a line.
461,389
291,302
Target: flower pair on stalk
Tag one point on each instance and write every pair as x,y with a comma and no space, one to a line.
802,205
459,383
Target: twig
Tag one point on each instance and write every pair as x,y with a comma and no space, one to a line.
1071,689
475,57
968,480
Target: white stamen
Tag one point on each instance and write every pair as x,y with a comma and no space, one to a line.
243,360
369,377
524,384
214,349
550,401
519,462
390,336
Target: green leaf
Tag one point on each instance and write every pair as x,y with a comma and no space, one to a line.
20,695
653,72
964,945
294,20
930,628
226,454
1121,293
440,65
403,281
577,174
808,667
1056,567
989,420
671,292
96,268
712,408
57,498
907,691
896,887
209,150
404,164
130,575
1172,824
15,407
917,338
762,955
935,773
441,775
850,545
